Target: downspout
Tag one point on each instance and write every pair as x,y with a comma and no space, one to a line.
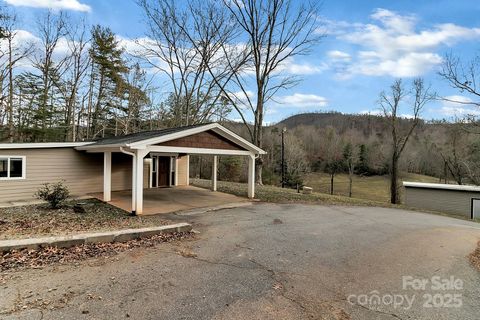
134,158
127,152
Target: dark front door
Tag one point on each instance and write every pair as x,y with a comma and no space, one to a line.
163,171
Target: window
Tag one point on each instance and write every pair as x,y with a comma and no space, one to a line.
12,167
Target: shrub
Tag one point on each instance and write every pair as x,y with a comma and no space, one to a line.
53,193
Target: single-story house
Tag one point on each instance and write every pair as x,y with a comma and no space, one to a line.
149,159
462,200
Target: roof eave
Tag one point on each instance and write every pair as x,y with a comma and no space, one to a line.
142,144
42,145
212,126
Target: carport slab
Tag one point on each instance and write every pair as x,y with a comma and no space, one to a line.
167,200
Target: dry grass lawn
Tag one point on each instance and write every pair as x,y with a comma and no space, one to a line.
276,194
375,188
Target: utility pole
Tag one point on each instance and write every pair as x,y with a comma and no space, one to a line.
283,156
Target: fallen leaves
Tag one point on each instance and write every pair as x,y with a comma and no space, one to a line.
475,257
50,255
186,253
37,220
277,286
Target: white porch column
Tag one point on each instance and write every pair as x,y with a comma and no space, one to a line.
107,176
134,182
176,171
251,176
139,155
214,173
188,169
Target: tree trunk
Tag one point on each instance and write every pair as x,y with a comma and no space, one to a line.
445,172
97,108
70,117
10,92
332,175
394,180
258,133
45,91
90,103
350,182
258,170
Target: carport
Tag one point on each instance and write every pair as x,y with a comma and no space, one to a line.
166,152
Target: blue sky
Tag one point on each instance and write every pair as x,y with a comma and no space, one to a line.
367,45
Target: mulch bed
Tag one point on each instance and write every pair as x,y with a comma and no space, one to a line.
20,259
475,257
39,220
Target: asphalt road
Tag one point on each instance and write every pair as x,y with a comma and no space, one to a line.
269,261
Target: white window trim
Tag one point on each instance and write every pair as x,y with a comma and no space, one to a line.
24,168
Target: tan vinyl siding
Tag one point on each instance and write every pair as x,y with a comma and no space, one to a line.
447,201
82,172
182,170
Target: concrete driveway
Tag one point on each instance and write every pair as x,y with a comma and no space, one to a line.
270,261
166,200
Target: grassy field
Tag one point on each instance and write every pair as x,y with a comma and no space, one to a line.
276,194
375,188
366,190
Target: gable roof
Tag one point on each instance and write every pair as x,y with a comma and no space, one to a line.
141,140
139,136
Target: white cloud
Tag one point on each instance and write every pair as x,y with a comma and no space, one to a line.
457,105
51,4
455,100
300,100
334,27
458,111
303,68
393,45
339,55
409,65
379,112
375,112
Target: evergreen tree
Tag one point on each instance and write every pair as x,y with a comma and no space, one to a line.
108,73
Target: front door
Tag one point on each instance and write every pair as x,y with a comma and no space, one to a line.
163,171
160,171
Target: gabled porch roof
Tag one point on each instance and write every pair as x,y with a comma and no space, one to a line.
152,139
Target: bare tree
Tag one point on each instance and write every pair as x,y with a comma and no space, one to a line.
76,66
391,103
463,77
296,161
185,43
332,154
351,157
51,28
460,153
276,31
231,53
13,53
